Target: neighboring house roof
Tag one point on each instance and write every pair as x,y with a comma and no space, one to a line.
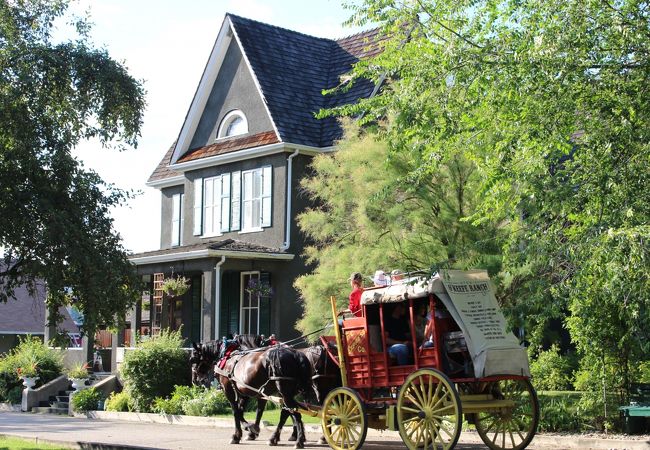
26,314
291,69
226,247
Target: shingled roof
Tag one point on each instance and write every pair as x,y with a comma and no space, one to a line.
225,245
292,70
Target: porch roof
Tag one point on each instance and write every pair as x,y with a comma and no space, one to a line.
227,247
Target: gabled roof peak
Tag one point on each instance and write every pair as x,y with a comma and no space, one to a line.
284,30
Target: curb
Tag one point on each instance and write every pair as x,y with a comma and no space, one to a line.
467,437
81,445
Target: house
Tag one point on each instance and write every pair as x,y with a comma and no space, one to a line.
25,315
230,183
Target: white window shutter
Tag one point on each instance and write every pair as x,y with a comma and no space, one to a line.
267,188
235,196
208,196
217,205
198,207
176,220
225,202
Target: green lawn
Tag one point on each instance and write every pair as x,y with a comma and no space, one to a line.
12,443
272,416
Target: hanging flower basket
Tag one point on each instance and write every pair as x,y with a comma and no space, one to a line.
175,286
260,288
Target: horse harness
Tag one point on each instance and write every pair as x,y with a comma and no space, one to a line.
235,357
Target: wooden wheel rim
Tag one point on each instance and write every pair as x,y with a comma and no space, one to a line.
513,429
344,420
428,411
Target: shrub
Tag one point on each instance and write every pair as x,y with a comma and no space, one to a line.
558,414
552,371
174,404
154,368
15,395
193,401
31,352
210,403
86,400
644,372
119,401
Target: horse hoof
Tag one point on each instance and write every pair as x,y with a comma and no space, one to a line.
254,429
292,438
299,445
234,441
273,442
251,437
322,440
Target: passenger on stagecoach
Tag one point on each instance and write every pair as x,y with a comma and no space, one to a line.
380,279
423,326
398,334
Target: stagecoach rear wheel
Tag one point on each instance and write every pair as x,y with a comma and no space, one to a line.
428,411
509,428
344,419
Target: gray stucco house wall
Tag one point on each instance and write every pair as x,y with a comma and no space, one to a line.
272,79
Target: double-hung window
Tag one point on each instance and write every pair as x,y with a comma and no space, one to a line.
233,201
256,199
216,205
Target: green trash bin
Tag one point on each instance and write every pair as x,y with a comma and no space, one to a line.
634,425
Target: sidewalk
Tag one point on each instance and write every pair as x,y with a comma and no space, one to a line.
106,430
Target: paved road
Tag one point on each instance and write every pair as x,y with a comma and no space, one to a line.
159,436
114,434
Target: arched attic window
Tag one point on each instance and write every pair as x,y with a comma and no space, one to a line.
234,123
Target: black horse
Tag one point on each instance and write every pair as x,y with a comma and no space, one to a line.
262,372
203,358
325,377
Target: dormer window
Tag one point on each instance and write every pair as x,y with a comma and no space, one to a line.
233,124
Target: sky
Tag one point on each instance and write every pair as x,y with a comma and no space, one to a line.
166,44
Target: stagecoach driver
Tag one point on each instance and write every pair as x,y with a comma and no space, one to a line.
356,283
397,331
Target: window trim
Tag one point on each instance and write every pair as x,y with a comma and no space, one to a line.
204,228
241,300
228,119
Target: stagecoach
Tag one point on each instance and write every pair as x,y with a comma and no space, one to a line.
472,368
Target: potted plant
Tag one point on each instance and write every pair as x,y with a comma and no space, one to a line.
29,374
78,374
175,286
258,287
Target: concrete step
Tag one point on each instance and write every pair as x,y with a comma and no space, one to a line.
60,405
61,398
49,410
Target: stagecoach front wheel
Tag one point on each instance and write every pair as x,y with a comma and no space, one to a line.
510,428
428,411
344,419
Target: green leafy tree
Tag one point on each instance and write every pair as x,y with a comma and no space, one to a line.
371,214
54,213
549,99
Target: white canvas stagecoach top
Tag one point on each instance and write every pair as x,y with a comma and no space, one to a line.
469,298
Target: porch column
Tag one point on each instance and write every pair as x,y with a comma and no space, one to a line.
207,321
116,338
